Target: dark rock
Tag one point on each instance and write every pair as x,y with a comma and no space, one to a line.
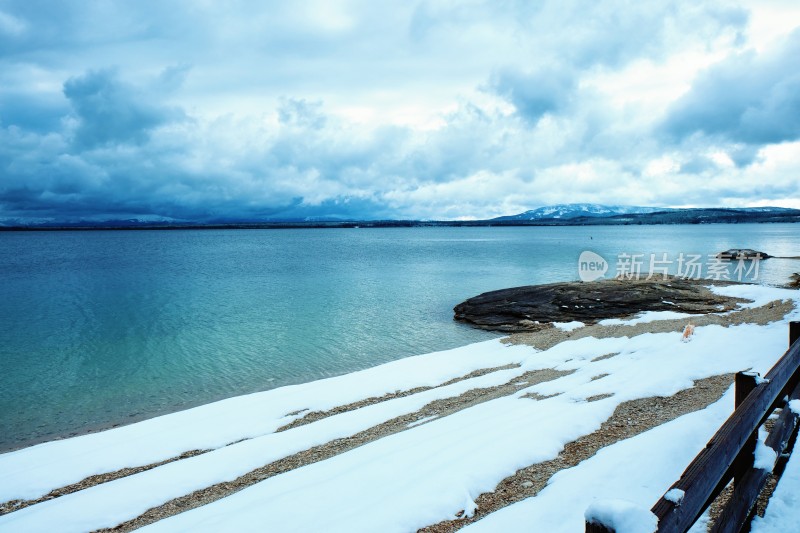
794,281
742,253
520,308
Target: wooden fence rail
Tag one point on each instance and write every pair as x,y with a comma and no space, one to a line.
729,453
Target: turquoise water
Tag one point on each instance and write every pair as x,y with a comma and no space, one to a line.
105,327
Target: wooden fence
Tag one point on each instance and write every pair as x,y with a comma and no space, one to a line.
729,454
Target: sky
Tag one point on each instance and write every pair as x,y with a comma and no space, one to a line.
242,110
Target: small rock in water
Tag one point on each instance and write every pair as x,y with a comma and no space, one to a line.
742,253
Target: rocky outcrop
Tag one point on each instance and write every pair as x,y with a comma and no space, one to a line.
742,253
533,307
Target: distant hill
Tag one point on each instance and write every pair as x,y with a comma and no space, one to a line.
703,216
596,214
569,211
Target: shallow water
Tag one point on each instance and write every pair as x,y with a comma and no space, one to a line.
105,327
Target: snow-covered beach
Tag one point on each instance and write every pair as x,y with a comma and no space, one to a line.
501,435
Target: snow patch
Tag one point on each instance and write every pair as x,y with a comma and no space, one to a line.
569,326
757,379
644,318
764,456
622,516
759,294
469,507
783,511
675,496
794,406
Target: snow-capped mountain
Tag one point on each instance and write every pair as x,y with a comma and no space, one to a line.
567,211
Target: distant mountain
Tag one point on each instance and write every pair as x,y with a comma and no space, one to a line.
711,215
569,211
585,213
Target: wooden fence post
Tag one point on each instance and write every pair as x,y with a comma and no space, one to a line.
592,527
744,384
794,332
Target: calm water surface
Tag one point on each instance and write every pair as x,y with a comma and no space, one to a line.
105,327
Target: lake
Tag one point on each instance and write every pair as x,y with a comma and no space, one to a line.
107,327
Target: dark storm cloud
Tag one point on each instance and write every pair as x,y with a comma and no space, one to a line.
749,98
133,171
110,112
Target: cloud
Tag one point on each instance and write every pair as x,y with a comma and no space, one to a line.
173,77
534,94
111,112
750,97
299,112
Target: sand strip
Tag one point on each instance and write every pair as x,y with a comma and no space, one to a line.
547,337
313,416
91,481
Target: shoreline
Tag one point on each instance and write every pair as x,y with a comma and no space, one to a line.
129,420
327,422
541,338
